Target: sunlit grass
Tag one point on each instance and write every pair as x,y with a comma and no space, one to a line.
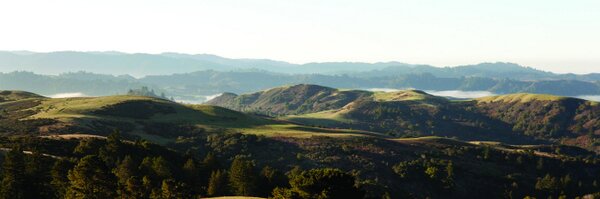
521,97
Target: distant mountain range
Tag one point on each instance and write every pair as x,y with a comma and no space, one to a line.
191,78
140,64
196,86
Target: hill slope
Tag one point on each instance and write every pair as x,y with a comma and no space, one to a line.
422,167
517,118
297,99
573,121
17,95
150,118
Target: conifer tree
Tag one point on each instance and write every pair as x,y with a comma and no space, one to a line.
59,173
37,176
134,189
242,179
217,183
125,170
13,170
210,162
192,174
91,179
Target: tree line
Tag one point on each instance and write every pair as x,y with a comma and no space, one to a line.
113,168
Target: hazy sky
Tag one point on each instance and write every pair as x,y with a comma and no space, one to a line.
554,35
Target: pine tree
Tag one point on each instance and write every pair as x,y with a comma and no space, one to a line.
242,179
134,189
217,183
158,168
210,162
171,189
112,151
37,175
13,169
320,183
449,180
449,170
548,183
147,186
87,146
168,190
162,168
269,179
192,174
59,173
91,179
125,170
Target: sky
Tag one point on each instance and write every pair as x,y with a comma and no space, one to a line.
552,35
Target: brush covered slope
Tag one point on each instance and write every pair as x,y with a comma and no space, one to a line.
517,118
223,164
567,120
296,99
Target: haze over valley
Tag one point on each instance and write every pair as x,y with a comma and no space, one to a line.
193,78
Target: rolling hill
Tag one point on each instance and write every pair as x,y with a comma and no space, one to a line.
516,118
296,99
6,96
197,86
155,119
490,162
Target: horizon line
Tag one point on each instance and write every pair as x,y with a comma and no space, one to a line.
288,62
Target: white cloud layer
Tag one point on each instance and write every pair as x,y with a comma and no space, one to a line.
447,93
67,95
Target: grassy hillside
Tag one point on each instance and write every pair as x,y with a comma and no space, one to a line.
520,97
131,108
17,95
154,119
488,157
407,95
517,118
298,99
399,114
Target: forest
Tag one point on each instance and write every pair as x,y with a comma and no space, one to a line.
236,164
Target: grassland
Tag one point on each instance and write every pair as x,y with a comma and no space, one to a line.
382,114
67,109
17,95
299,131
403,96
520,97
323,118
337,116
89,111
